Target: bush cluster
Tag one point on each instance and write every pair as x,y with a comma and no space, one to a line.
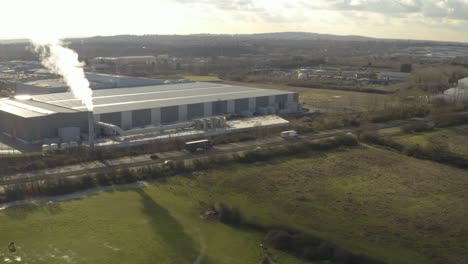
314,249
433,151
416,127
59,186
229,215
438,153
239,137
400,111
376,139
294,149
449,119
343,85
64,185
326,122
299,244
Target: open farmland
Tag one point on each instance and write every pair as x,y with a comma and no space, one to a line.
151,225
372,201
454,138
334,100
368,200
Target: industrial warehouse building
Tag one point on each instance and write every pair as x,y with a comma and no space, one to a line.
60,115
96,81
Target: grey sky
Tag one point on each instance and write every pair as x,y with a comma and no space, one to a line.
407,19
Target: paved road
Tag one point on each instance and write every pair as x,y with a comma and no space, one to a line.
144,160
135,160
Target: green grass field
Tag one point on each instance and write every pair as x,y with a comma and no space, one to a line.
154,225
371,201
392,207
455,138
326,98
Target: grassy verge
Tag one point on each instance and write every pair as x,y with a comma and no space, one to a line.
369,201
456,139
333,100
151,225
20,189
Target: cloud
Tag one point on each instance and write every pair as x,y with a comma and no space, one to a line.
234,5
378,6
401,18
422,19
448,9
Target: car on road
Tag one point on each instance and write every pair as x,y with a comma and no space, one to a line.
153,157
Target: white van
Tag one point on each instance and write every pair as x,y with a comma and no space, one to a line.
289,134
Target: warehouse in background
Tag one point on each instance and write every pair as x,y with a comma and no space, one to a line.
455,94
138,110
96,81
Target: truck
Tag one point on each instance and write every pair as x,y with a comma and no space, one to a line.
289,134
199,145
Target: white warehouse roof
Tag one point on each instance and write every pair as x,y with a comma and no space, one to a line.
136,98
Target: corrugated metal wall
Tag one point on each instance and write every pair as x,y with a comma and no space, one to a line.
241,105
262,101
296,97
195,111
38,128
169,114
281,100
112,118
219,107
141,118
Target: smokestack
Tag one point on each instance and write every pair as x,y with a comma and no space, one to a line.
91,129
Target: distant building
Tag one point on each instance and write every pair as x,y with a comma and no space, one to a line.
394,76
42,87
163,57
459,93
102,81
463,83
97,81
124,60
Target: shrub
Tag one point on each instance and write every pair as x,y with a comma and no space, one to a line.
400,111
313,248
345,140
437,152
88,181
342,256
200,164
126,175
416,127
280,240
362,259
376,139
228,215
103,179
449,119
266,260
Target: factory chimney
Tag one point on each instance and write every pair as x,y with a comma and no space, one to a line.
91,133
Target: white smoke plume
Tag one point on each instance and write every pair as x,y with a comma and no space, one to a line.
64,62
